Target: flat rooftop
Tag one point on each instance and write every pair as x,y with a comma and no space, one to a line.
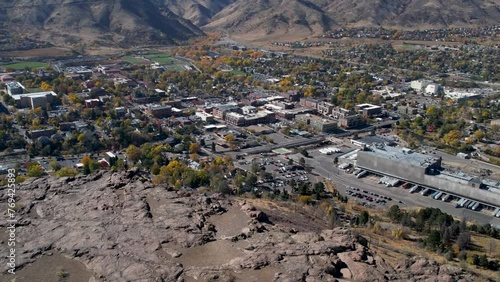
402,155
34,95
377,139
14,84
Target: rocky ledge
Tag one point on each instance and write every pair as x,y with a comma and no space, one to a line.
123,228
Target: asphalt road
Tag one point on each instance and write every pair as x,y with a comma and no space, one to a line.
296,142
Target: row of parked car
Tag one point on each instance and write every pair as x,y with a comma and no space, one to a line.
369,196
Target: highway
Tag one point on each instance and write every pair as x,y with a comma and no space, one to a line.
288,145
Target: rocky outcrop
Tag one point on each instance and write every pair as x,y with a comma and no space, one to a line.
125,229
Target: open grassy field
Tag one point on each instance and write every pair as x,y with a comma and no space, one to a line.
161,58
34,90
134,60
237,72
22,65
39,52
175,68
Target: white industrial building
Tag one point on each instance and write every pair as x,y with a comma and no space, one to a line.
460,95
420,85
432,89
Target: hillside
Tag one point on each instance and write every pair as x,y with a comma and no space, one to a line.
132,23
126,22
120,227
198,12
281,17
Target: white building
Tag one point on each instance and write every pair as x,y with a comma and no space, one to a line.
35,100
248,110
206,117
432,89
420,85
459,95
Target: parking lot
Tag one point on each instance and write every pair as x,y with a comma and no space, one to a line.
369,186
368,198
282,172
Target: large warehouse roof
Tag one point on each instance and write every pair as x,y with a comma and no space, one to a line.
403,155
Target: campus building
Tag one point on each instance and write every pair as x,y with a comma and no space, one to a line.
14,88
35,100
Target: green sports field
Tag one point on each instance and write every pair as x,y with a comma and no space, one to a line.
133,60
161,58
175,68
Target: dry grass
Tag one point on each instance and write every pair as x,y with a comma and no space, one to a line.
381,240
394,251
482,243
41,52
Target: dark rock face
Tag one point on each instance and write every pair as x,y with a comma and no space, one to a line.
139,232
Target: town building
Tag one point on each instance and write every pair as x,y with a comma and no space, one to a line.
432,89
14,88
317,123
67,126
291,96
347,118
259,117
92,103
110,158
325,108
220,111
6,78
309,103
206,117
291,113
407,110
368,110
420,85
120,111
41,132
248,110
78,72
159,111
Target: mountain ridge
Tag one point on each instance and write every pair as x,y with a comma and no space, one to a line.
319,16
122,22
128,22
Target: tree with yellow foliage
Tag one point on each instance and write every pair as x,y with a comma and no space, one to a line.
229,138
194,148
81,138
86,160
452,138
133,153
479,135
170,173
308,92
73,98
45,86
